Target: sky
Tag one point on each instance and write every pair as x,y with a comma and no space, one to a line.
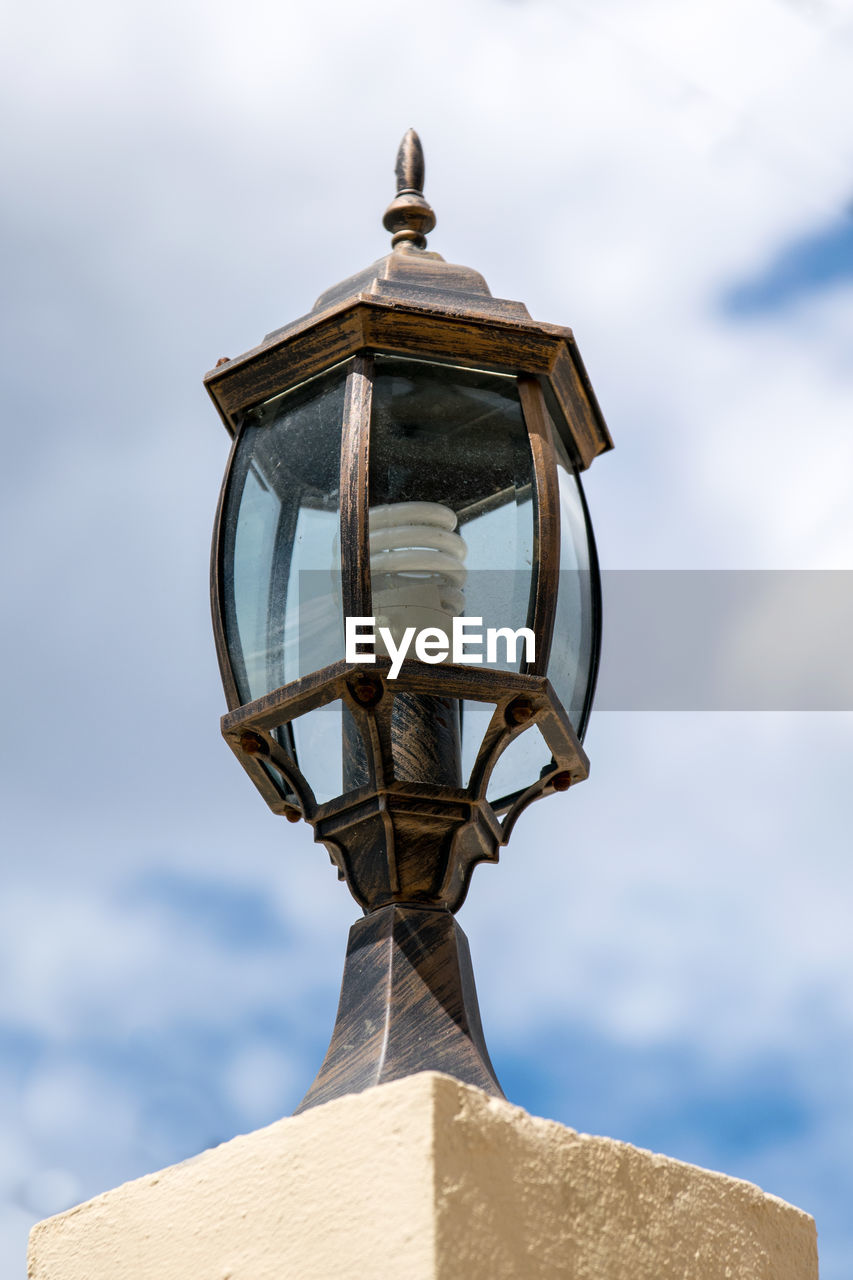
663,955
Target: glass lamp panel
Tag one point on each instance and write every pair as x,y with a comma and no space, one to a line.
280,560
517,767
572,661
317,737
476,718
522,763
451,502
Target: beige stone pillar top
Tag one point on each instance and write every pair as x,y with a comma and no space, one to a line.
427,1179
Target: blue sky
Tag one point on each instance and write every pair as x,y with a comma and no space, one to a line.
663,955
806,267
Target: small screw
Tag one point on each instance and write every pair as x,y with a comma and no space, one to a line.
292,815
365,690
520,711
223,360
253,744
561,781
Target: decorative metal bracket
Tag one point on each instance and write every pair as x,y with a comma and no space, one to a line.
412,839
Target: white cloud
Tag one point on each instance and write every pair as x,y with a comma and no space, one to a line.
722,924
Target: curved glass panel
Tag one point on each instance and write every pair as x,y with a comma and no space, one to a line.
279,563
522,763
317,737
574,647
476,718
451,504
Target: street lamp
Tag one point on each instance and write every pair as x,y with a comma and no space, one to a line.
407,613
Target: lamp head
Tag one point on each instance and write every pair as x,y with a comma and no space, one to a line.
406,469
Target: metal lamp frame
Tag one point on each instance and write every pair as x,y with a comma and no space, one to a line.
407,849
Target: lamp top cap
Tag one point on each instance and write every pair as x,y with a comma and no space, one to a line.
409,217
411,273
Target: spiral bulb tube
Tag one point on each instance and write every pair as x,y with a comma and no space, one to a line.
417,567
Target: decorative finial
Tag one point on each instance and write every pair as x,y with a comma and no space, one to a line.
409,217
410,165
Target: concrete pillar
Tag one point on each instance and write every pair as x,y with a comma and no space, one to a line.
427,1179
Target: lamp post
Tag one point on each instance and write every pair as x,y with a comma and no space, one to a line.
404,481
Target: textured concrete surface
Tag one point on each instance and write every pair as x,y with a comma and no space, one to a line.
427,1179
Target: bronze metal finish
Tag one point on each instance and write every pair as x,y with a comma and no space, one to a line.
253,744
408,1003
520,711
396,313
546,539
355,559
412,302
366,692
409,216
414,838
